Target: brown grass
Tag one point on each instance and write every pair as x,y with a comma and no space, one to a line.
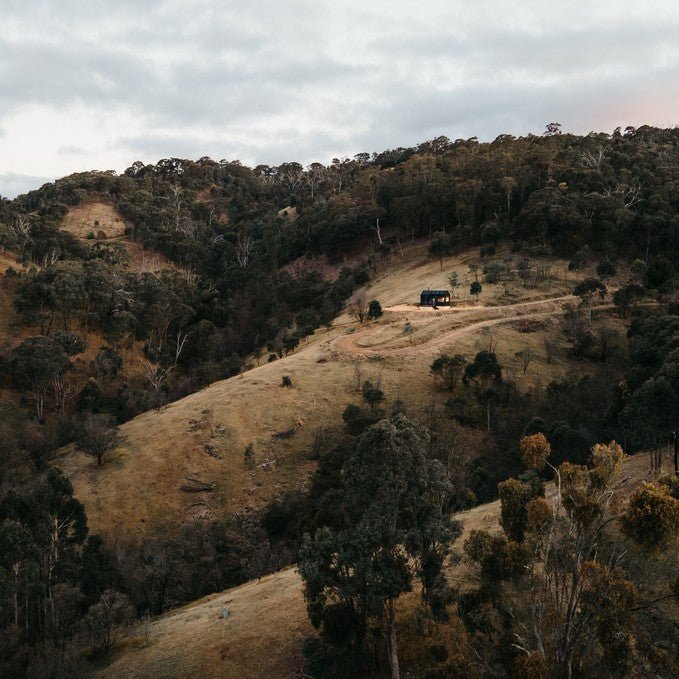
110,227
93,217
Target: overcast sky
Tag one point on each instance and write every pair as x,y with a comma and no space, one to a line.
98,84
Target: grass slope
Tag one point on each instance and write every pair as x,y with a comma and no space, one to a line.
138,490
102,222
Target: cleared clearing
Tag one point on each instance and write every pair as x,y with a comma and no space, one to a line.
94,217
100,222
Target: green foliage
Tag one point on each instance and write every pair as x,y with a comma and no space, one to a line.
358,419
485,369
34,364
374,310
658,275
70,342
475,289
514,498
448,369
394,527
440,247
588,288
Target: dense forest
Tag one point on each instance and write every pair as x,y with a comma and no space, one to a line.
258,260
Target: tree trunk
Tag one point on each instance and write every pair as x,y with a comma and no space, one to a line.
16,595
391,642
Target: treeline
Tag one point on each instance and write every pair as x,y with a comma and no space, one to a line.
234,231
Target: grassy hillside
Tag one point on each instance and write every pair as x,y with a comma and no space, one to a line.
267,622
139,489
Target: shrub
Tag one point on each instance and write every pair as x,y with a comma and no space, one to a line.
374,310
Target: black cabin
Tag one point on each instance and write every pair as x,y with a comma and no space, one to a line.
434,298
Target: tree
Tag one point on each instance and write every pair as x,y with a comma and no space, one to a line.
358,306
58,527
535,450
453,281
586,291
372,393
448,369
475,289
652,517
394,527
17,553
605,269
658,275
486,373
514,498
627,297
107,621
374,310
525,355
572,604
70,342
35,363
97,435
440,247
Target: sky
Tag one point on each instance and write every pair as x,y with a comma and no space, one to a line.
99,84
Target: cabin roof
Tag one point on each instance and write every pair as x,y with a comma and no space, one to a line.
435,293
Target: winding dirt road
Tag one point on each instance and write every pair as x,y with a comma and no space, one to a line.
433,330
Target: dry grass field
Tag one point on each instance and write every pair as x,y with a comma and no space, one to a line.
94,217
102,222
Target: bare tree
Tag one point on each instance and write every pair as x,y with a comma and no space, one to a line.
62,392
358,306
377,229
550,349
244,247
156,374
525,356
358,376
97,435
180,341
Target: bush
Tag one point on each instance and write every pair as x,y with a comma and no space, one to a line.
108,620
357,419
372,394
374,310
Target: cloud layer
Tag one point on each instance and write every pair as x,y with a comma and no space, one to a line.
101,84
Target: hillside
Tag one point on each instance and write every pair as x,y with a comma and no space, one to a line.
100,222
202,362
195,641
139,489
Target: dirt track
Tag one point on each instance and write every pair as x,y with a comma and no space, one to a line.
433,330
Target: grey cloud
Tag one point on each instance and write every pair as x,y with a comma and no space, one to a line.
12,184
70,150
272,81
